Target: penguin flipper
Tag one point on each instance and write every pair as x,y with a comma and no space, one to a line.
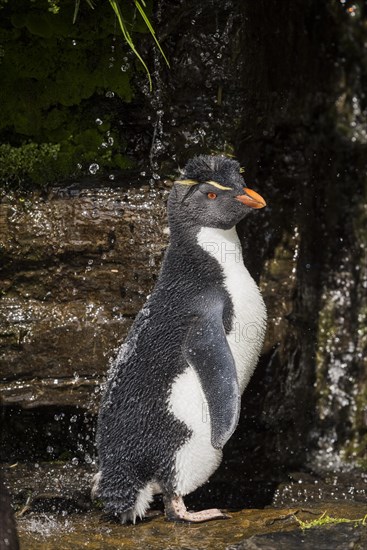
206,350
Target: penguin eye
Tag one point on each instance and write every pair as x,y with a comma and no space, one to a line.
212,195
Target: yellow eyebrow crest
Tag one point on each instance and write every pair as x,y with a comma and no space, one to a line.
213,183
186,182
219,186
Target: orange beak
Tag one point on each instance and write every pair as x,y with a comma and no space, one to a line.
251,199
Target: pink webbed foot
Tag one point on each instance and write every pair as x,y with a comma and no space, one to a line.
175,510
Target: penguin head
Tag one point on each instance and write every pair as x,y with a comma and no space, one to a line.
212,193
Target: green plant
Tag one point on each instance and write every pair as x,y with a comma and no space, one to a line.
115,4
26,162
58,85
324,519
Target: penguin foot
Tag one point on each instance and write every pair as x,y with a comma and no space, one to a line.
175,510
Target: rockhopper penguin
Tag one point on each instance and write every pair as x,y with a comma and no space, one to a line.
172,398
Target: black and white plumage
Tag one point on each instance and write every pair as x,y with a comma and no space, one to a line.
172,398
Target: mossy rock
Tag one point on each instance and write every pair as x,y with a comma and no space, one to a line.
53,76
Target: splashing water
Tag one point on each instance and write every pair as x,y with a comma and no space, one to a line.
93,168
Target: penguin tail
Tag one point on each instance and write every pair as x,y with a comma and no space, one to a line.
129,504
95,484
142,503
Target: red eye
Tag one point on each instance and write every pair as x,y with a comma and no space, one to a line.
212,196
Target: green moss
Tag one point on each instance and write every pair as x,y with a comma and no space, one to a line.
324,519
327,330
356,448
47,163
54,80
26,162
53,6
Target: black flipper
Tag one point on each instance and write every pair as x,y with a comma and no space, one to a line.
206,349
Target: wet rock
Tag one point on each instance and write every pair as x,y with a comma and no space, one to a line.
8,531
47,498
312,489
39,487
93,530
339,537
341,361
75,269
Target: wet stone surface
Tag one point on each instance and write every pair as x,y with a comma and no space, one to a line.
75,268
310,488
54,511
270,528
338,537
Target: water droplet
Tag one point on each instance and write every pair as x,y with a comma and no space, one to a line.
49,449
74,42
88,458
99,121
75,461
124,68
110,94
93,168
111,177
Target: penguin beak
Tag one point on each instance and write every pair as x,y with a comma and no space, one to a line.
251,199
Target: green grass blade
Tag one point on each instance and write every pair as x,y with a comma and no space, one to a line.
324,519
116,8
76,10
151,30
77,6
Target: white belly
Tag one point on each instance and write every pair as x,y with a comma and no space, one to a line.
197,459
248,330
